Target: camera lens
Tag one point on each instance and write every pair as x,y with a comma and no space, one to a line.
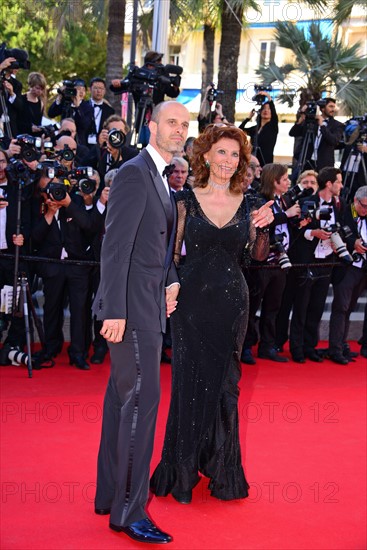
116,138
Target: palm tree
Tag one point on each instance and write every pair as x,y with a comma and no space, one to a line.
320,65
115,45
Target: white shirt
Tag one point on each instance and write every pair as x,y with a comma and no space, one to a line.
160,164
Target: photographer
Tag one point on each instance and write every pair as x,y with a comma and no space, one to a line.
266,129
354,159
350,281
62,230
314,245
149,85
321,135
266,286
9,240
207,115
69,98
111,151
91,114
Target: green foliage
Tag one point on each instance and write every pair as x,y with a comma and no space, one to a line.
321,64
63,38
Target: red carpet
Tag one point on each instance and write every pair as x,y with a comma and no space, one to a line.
303,433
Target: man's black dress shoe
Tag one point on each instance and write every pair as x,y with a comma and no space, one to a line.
314,356
247,357
364,351
338,358
102,511
298,358
98,356
273,356
79,362
183,497
143,530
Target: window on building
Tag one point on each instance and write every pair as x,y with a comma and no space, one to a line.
174,55
267,52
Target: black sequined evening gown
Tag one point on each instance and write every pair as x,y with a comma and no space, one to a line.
208,329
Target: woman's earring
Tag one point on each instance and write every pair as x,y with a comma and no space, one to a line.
207,164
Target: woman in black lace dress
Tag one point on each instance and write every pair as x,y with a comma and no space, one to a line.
209,325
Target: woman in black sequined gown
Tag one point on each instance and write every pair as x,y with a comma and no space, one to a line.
210,322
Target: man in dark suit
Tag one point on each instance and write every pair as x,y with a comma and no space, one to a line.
90,115
349,281
138,289
326,133
313,246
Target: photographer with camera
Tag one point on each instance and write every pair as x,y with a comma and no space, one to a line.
148,85
91,114
15,230
321,135
265,132
266,286
349,281
354,159
314,245
64,229
207,115
69,97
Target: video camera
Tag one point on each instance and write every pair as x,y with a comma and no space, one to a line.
142,81
311,110
259,98
21,56
213,93
277,246
290,197
68,91
356,130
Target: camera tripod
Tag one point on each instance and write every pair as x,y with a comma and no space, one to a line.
145,102
4,107
256,149
352,165
21,309
308,140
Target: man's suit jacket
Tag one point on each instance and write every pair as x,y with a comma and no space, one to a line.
137,248
74,232
331,135
84,120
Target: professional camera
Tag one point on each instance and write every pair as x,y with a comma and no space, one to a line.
276,246
30,147
213,93
357,257
290,197
116,138
143,81
68,91
65,154
259,98
339,246
49,131
17,172
356,130
310,212
83,175
53,169
311,110
21,57
57,190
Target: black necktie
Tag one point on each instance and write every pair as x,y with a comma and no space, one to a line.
327,203
168,170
